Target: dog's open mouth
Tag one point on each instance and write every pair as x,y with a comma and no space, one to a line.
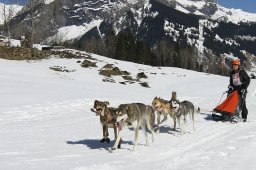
98,111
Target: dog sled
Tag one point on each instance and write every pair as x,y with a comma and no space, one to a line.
228,110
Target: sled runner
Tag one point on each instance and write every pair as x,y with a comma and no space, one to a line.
228,109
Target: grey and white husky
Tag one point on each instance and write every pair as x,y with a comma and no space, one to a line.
138,115
182,110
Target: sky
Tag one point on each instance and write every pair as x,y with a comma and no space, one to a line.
245,5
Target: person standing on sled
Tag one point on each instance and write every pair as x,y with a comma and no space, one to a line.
239,80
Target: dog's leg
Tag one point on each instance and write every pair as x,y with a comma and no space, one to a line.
158,122
181,127
104,131
150,126
165,118
185,124
183,121
193,119
143,127
174,122
117,139
136,138
179,123
104,134
115,132
136,131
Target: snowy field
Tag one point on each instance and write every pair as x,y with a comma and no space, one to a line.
46,122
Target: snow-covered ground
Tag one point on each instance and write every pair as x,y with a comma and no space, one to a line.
46,122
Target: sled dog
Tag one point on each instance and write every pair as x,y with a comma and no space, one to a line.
181,111
163,107
138,115
107,119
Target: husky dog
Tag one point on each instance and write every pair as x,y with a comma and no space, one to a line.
163,107
107,119
181,111
138,115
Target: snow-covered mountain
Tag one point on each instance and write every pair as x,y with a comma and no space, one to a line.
212,10
14,8
46,122
196,23
207,8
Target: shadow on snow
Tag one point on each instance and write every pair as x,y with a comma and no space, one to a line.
96,144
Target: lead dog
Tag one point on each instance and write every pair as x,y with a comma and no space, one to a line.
138,115
107,119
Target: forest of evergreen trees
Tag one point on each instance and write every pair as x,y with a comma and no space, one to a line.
125,47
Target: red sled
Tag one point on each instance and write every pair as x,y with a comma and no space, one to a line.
227,108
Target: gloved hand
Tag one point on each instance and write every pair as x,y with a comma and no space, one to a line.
230,90
242,92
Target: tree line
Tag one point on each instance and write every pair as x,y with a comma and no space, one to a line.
124,46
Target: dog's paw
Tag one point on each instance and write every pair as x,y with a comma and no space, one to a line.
119,146
113,149
102,140
107,140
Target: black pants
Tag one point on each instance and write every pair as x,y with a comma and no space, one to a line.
243,106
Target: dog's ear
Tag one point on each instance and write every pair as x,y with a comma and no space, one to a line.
128,111
106,102
126,107
95,102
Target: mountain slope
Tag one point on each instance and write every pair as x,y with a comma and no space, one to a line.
79,23
212,10
46,122
6,8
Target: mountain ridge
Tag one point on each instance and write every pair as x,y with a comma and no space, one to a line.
152,21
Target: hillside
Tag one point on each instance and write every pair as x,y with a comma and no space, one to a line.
46,122
8,7
159,32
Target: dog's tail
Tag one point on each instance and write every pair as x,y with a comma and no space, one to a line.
198,110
